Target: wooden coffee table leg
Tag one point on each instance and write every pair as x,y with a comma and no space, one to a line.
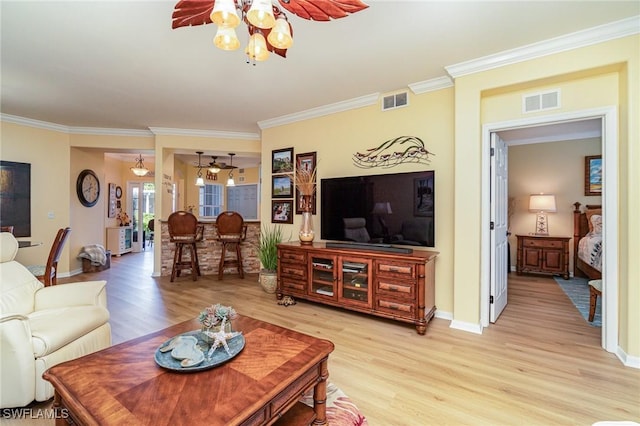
320,396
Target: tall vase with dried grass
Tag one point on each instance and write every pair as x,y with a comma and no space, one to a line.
306,183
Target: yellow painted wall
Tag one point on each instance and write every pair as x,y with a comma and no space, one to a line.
335,138
51,186
552,168
622,88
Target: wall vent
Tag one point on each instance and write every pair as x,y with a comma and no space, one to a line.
541,101
240,178
395,101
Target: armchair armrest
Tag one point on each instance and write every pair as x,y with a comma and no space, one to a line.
72,294
18,371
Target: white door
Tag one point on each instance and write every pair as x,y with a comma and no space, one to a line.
499,216
140,208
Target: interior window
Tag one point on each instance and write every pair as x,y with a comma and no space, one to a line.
210,200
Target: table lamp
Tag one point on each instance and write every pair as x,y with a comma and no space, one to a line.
542,204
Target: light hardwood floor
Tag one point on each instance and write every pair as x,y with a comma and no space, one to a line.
540,364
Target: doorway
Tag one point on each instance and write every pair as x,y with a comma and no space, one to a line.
141,209
608,120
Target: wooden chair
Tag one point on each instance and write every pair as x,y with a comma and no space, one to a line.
231,232
151,225
185,232
6,229
595,290
48,273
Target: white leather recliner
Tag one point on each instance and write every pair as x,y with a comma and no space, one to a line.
43,326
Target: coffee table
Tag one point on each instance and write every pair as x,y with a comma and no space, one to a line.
123,385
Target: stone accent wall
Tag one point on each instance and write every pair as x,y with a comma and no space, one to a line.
209,250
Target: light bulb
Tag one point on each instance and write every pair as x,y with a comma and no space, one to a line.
226,39
224,14
280,35
257,47
260,14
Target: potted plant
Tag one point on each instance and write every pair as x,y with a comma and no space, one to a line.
270,237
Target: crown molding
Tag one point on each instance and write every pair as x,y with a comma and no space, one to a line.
103,131
34,123
431,85
204,133
349,104
599,34
73,130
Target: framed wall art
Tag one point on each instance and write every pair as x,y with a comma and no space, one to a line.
282,186
306,162
112,200
282,211
282,160
593,175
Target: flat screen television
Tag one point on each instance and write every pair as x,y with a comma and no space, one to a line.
395,208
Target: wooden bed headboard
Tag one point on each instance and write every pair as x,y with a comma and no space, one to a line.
580,224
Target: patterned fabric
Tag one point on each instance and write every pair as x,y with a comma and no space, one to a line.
95,253
340,410
590,250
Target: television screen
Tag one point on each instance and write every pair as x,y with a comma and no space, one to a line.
393,208
15,197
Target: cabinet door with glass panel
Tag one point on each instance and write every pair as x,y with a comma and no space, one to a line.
355,281
323,277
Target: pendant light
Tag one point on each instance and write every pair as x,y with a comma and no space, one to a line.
230,181
199,179
139,169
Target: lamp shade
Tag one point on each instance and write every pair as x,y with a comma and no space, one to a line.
257,47
382,208
542,203
139,169
199,181
280,35
224,14
226,39
260,14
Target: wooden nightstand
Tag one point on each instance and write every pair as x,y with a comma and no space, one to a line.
543,255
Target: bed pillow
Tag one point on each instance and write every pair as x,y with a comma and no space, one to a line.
590,213
596,224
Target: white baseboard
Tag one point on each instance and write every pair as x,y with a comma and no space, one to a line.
628,360
466,326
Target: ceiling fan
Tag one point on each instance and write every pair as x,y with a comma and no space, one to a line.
215,166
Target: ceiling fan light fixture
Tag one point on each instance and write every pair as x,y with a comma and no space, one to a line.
230,181
257,47
260,14
280,35
224,14
226,39
139,169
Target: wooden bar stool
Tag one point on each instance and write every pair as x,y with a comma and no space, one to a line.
231,232
185,232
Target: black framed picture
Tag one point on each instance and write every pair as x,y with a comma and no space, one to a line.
282,211
282,186
307,162
282,160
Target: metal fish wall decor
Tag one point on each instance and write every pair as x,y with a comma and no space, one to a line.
403,149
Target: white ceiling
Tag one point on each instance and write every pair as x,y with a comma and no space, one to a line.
119,65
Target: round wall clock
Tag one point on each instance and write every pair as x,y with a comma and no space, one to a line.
118,192
88,188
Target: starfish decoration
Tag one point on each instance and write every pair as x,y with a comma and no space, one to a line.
220,338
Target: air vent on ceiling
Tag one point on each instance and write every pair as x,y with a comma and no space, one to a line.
541,101
395,101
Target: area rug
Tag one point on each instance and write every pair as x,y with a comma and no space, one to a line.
578,291
341,411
